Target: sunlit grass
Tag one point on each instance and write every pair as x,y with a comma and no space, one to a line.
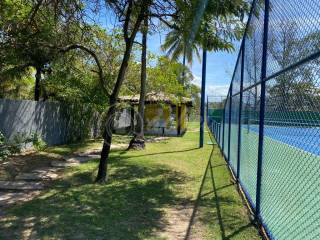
132,205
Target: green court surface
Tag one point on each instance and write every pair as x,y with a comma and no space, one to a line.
290,187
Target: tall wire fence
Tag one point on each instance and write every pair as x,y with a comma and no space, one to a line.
269,132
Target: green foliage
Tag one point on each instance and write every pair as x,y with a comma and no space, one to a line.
30,35
74,82
214,26
78,81
38,143
18,143
82,119
13,146
194,92
164,77
18,87
4,150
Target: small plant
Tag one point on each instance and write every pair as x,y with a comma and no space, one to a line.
18,143
38,143
4,149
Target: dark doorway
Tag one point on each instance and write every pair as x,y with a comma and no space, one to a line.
179,121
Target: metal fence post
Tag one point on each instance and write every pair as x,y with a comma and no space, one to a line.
223,120
215,129
207,115
203,91
240,108
229,127
262,106
212,128
219,136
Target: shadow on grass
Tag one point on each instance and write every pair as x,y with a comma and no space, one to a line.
160,153
128,207
218,205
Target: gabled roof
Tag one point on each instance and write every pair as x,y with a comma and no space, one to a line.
154,97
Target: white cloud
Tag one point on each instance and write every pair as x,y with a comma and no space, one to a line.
196,80
217,90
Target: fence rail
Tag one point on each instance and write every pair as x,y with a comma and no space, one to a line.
270,127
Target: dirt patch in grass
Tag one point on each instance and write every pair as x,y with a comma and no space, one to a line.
176,222
26,162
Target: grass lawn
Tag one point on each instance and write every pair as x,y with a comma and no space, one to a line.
151,194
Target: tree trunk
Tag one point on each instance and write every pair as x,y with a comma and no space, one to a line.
107,136
184,66
102,172
138,140
37,84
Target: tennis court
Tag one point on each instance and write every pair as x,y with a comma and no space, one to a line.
276,85
303,138
290,187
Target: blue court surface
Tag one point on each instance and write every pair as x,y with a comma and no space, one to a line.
304,138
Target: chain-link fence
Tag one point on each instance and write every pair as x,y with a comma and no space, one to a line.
270,129
215,105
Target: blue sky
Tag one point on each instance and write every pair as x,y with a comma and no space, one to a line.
220,67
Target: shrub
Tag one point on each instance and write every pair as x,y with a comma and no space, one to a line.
18,143
38,143
4,148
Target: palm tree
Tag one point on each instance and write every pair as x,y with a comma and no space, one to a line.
211,25
137,141
176,45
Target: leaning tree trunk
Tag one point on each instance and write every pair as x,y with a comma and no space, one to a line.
102,172
184,66
37,84
138,140
107,135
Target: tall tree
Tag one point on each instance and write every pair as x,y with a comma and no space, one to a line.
28,27
138,140
131,13
219,22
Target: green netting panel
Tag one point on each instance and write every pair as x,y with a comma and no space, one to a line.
234,132
249,142
216,114
290,117
251,103
290,197
226,129
236,82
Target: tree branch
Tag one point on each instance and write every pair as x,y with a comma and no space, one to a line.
173,26
138,43
34,11
96,59
126,22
